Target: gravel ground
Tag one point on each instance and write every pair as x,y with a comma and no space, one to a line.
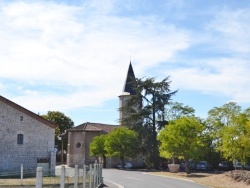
215,179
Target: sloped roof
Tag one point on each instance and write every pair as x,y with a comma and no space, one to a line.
128,82
97,127
27,112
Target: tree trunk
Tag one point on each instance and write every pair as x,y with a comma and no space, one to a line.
104,161
173,160
123,163
155,153
187,165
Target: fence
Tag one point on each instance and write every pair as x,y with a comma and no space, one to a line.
65,177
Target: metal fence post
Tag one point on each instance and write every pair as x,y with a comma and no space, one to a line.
62,182
39,177
76,176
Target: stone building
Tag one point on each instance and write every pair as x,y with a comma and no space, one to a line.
79,139
26,138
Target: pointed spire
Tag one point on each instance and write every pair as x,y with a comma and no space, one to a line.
128,83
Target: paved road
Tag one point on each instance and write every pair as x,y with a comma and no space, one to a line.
135,179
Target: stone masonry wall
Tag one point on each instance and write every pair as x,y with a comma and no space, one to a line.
38,140
78,148
75,155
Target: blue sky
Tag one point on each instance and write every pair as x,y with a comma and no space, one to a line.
72,56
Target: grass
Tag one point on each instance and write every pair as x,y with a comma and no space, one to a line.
27,182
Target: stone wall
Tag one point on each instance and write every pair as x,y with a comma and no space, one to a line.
75,155
38,140
78,148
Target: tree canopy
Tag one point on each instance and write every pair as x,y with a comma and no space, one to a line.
122,142
175,110
222,116
183,137
229,126
235,139
145,112
63,122
97,147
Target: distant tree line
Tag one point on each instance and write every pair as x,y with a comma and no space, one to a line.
171,130
155,127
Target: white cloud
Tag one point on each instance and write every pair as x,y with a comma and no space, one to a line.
221,65
82,53
59,56
229,77
232,30
64,54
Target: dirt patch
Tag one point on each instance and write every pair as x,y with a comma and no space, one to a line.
215,179
240,176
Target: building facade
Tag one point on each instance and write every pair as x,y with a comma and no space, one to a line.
79,139
26,138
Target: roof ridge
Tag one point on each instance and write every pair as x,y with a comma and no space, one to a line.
88,126
92,123
27,112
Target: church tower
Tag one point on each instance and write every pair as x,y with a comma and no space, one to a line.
127,90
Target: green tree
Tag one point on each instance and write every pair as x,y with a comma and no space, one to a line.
222,116
228,126
97,148
63,122
183,138
247,112
219,117
176,110
235,139
122,142
145,113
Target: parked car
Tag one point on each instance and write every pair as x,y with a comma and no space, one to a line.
192,165
126,165
225,165
239,166
204,165
247,167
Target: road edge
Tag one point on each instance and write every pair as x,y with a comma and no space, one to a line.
116,184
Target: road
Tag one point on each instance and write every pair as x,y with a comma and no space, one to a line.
136,179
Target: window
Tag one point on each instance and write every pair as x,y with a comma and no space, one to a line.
20,139
78,145
21,118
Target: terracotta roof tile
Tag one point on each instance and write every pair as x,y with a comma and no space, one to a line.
93,127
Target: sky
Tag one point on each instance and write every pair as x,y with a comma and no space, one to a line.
72,56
